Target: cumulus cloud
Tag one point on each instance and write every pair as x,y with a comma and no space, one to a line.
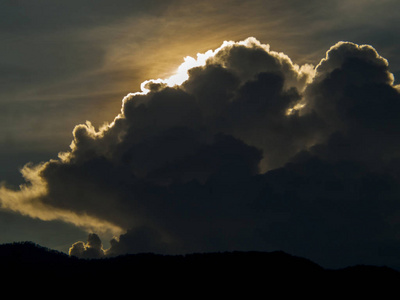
92,249
353,93
242,149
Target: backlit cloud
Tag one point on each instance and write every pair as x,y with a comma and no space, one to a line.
241,149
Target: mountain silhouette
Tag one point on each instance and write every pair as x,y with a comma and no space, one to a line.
245,274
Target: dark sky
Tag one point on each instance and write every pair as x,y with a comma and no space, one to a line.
284,141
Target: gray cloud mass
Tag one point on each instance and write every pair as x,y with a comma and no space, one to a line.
250,152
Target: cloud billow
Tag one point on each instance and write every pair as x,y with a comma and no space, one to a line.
249,152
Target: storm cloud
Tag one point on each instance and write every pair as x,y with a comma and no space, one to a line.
247,151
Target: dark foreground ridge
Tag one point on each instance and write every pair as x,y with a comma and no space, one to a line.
227,272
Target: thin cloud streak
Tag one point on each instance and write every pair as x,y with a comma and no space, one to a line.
27,202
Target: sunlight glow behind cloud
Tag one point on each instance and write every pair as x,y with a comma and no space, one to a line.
181,74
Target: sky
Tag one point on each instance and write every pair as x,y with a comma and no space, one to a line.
197,126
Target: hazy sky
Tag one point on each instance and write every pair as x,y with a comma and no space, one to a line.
64,63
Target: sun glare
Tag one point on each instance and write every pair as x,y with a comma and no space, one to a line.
181,74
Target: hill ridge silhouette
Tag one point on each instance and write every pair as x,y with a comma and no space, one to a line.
33,264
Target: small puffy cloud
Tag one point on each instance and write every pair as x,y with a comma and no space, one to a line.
92,249
243,150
